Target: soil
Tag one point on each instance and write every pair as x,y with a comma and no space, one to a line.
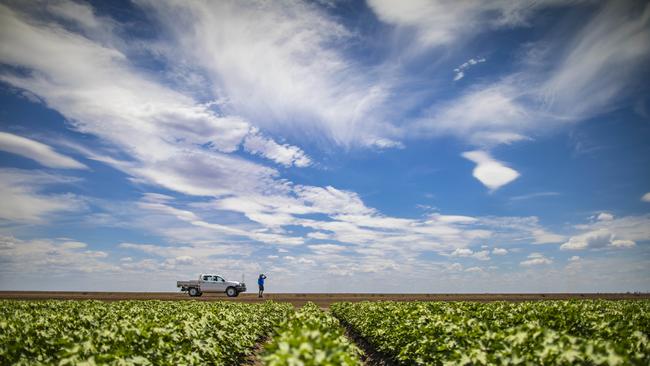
322,300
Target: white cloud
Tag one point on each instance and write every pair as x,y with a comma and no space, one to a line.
462,252
282,66
483,255
186,254
560,81
499,251
327,248
600,63
23,201
492,173
439,22
605,216
617,232
622,243
535,259
534,195
93,86
646,197
79,13
574,258
474,270
286,155
384,143
49,256
485,116
594,239
37,151
73,245
460,70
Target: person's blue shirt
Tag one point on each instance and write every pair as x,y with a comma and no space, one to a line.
260,281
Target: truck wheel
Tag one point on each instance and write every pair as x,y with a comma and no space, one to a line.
193,292
231,292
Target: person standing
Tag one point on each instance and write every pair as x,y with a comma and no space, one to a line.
260,283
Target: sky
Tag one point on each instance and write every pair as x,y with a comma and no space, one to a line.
336,146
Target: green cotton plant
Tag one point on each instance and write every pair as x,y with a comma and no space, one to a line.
133,332
310,337
501,333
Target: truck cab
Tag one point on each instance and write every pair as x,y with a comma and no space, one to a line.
211,283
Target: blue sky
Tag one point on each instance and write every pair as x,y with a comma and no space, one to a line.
379,146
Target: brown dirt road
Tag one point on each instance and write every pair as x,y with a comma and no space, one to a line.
323,300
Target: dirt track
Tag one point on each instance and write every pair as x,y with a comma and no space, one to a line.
323,300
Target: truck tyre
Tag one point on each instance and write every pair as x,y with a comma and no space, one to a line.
231,292
193,292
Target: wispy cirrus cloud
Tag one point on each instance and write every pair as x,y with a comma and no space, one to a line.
437,23
94,86
23,199
42,153
282,65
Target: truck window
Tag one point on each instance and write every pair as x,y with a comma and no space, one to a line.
218,279
207,278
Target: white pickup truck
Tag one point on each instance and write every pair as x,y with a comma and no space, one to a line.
211,283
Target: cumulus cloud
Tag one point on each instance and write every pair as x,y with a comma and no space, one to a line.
596,239
605,216
37,151
535,259
499,251
619,232
492,173
483,255
462,252
646,197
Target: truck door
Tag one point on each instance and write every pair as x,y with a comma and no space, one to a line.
220,284
208,284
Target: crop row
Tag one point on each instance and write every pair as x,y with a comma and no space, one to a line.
310,337
133,332
532,333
